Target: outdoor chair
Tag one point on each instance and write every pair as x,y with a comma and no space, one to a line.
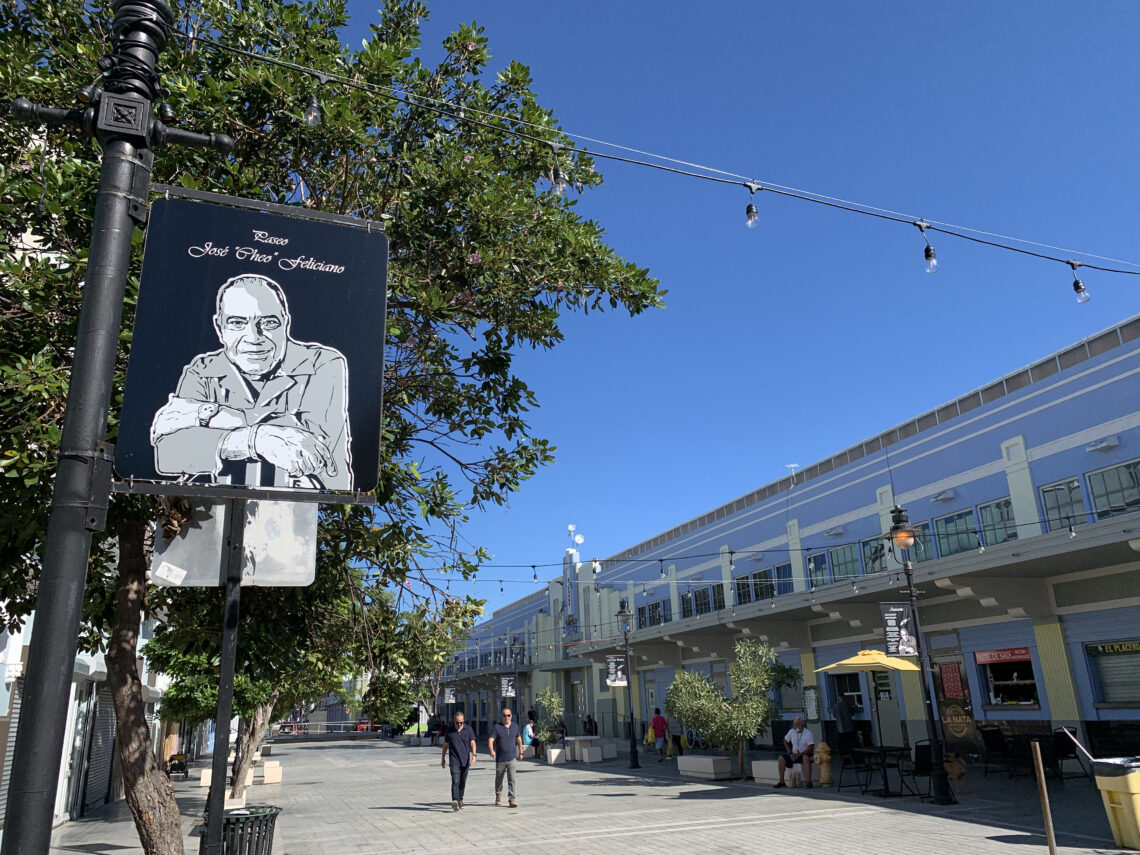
859,767
995,749
920,767
1065,749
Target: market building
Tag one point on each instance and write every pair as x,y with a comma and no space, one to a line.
1024,494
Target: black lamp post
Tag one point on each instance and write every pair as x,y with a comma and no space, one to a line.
626,617
902,537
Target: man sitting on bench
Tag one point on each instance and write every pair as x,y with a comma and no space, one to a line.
798,747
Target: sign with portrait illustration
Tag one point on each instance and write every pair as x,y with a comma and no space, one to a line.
615,671
898,629
258,354
506,687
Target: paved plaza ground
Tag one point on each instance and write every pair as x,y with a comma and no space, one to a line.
380,797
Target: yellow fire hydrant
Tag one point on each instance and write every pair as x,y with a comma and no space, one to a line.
822,759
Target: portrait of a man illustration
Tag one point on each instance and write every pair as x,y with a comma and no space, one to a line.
262,410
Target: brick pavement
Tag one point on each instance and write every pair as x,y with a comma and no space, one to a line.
377,797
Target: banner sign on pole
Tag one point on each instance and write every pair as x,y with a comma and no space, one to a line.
615,671
898,626
449,694
507,687
258,354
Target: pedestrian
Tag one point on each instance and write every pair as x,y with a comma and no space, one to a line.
675,735
589,727
433,728
660,728
505,745
844,712
799,743
530,736
459,748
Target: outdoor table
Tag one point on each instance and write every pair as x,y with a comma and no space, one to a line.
882,755
577,742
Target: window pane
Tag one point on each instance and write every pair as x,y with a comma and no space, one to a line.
666,610
701,600
956,533
875,555
784,584
845,562
998,525
1115,491
1064,505
642,617
654,614
718,597
686,605
762,585
743,591
817,569
923,549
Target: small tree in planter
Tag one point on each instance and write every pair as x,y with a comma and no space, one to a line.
550,710
729,722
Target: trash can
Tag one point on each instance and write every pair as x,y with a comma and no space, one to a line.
1118,779
247,831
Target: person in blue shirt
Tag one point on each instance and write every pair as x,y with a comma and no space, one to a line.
505,745
459,748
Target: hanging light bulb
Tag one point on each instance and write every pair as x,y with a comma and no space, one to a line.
1072,531
534,569
731,561
596,566
931,258
501,591
559,181
313,111
981,545
661,564
751,214
811,563
1078,286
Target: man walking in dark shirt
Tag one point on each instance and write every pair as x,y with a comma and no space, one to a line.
505,746
459,748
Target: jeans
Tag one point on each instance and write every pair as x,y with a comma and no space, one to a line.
507,769
458,781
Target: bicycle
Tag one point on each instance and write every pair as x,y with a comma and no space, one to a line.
693,737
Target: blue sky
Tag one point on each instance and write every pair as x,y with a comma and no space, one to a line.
789,342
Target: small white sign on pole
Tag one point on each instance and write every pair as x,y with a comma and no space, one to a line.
280,546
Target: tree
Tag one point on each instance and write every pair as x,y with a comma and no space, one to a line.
550,711
485,256
729,722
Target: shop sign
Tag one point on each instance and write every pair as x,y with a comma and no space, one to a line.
1009,654
507,687
449,694
956,720
1113,648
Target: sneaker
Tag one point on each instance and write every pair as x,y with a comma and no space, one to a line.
807,786
461,803
498,800
512,804
454,804
779,784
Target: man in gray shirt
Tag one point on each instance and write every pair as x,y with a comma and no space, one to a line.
505,746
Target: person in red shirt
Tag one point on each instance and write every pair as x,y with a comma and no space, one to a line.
660,729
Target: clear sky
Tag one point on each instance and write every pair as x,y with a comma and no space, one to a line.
789,342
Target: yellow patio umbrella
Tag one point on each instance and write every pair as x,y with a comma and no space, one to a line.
870,660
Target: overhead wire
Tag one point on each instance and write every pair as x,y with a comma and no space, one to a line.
706,173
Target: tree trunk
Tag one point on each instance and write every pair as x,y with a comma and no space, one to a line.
250,733
150,795
743,773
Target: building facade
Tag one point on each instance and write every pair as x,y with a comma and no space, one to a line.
1025,496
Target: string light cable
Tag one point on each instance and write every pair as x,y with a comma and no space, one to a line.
693,170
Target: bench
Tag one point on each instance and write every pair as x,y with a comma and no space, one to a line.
271,772
591,754
768,771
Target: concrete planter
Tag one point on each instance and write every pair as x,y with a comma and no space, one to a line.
708,767
555,755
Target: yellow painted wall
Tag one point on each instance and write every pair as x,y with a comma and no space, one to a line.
1056,671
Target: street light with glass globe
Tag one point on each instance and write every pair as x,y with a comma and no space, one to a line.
901,538
625,616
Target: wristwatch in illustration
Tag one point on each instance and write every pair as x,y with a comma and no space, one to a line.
207,412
